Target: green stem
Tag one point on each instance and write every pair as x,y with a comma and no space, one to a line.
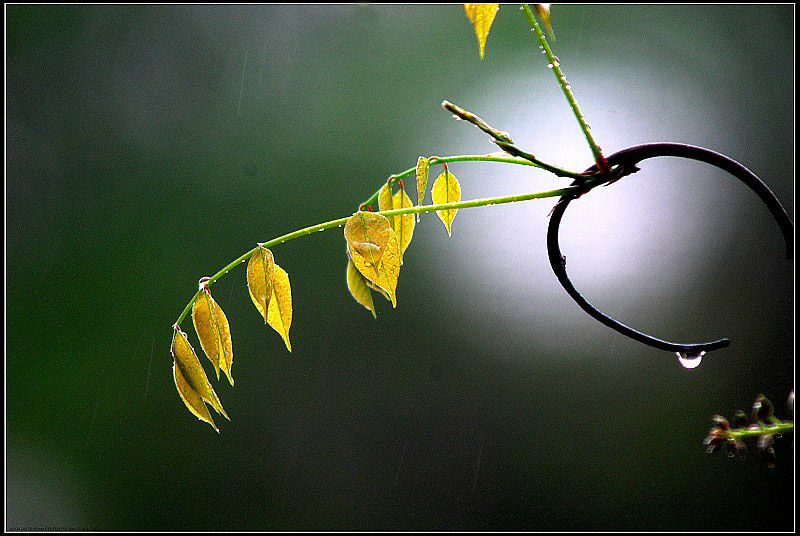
396,212
565,87
436,160
782,428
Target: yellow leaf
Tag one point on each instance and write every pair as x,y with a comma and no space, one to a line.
191,380
422,179
260,274
214,332
381,265
403,224
270,291
377,289
384,274
279,312
368,234
446,190
357,285
369,283
482,17
385,198
543,10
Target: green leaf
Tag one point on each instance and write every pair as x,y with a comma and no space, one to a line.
482,17
446,189
214,332
191,380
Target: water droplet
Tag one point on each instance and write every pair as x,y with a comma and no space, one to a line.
690,360
367,264
456,117
549,65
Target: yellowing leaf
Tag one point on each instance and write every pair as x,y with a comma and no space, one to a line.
191,380
260,273
270,291
368,234
543,10
384,274
357,285
214,332
377,289
403,224
422,179
381,266
385,198
482,17
279,312
446,190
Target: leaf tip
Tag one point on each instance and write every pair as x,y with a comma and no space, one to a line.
482,17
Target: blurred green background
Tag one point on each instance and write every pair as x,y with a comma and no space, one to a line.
148,146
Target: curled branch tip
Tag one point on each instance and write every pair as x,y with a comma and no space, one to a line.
627,160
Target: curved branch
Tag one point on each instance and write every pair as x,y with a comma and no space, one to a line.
419,209
627,160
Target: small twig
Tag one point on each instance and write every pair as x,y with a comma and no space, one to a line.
461,113
513,150
503,140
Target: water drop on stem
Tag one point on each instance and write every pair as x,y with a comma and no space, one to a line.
690,360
